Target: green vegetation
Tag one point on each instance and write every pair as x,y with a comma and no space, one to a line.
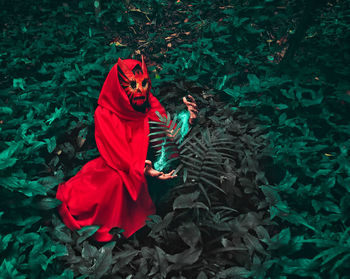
263,187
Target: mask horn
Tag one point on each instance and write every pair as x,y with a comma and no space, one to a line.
143,66
125,70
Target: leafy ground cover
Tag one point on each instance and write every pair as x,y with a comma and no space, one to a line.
264,188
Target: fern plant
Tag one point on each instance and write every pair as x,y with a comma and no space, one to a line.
201,155
166,136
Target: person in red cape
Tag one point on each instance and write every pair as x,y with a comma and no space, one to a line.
111,190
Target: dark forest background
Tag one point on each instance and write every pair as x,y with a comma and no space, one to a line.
264,175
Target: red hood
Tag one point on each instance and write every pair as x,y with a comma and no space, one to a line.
114,98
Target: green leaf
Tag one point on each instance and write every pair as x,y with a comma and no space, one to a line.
59,250
123,258
86,232
66,274
188,201
340,262
281,106
208,182
297,219
254,81
185,175
253,244
315,97
178,168
283,237
48,203
187,257
185,200
6,163
234,272
8,270
28,237
235,92
88,250
56,115
168,119
104,260
51,144
27,221
6,110
161,261
5,240
161,118
271,194
5,156
202,275
18,83
63,235
189,233
163,224
330,254
201,187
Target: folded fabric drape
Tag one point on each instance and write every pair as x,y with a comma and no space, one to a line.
111,190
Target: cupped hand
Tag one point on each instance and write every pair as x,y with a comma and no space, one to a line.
172,134
166,176
150,171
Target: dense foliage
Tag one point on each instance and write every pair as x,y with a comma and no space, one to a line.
263,187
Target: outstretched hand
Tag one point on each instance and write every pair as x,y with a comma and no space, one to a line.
191,107
150,171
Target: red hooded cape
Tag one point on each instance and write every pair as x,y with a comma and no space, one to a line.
111,190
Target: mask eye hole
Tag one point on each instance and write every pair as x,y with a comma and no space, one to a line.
144,82
133,84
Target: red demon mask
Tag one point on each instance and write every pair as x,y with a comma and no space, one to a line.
136,84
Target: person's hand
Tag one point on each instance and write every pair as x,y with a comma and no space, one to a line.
150,171
191,107
172,134
166,176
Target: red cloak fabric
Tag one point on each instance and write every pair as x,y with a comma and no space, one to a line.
111,190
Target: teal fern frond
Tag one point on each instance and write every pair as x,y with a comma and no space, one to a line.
200,153
166,135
